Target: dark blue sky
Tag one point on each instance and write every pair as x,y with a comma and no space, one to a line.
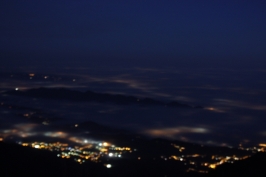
133,33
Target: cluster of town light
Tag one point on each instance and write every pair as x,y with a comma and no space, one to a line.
88,151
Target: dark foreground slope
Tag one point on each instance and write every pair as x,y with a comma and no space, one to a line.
16,160
23,161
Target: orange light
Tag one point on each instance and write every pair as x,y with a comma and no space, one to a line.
213,166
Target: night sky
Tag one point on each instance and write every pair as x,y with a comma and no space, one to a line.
133,33
209,53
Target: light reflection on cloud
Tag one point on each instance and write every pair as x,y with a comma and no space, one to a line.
58,134
25,127
81,140
133,84
27,131
215,109
20,130
15,132
127,81
239,104
64,86
263,133
172,132
212,143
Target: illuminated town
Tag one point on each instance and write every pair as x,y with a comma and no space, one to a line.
102,152
88,151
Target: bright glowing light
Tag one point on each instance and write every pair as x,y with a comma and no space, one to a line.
76,125
103,150
119,155
111,154
25,144
1,139
85,141
37,146
213,166
108,166
16,88
100,144
262,145
105,144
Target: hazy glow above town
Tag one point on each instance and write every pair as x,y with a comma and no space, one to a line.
228,108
